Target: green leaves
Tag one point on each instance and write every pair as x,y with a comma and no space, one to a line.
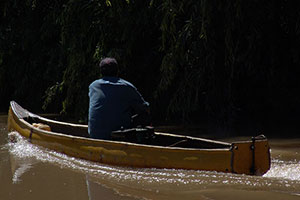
191,59
108,3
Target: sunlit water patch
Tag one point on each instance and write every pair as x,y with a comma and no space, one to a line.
284,176
289,170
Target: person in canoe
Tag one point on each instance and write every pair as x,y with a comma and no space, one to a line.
112,102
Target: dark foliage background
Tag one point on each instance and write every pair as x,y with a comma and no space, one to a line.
230,67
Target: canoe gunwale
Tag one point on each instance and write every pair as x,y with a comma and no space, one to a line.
21,114
94,142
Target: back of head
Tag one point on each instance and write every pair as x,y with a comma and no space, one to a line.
109,67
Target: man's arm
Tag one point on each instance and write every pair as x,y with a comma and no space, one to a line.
139,104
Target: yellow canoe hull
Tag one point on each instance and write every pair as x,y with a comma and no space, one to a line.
246,157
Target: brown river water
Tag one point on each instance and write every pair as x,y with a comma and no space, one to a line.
31,172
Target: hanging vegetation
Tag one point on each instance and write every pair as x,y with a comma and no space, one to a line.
230,65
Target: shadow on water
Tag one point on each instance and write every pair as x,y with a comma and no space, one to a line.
90,180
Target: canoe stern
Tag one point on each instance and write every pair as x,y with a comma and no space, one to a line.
251,157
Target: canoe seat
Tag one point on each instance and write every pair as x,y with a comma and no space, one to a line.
42,126
177,144
136,135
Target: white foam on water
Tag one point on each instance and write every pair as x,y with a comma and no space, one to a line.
284,169
283,176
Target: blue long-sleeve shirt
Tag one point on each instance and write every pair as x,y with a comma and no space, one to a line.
112,103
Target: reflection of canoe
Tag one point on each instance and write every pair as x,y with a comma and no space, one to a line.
164,151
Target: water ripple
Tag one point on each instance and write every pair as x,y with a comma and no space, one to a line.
283,176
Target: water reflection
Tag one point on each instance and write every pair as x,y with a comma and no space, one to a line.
281,182
97,189
21,159
19,168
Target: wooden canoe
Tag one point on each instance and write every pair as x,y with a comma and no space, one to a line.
165,151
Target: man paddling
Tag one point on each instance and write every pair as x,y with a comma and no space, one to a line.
113,102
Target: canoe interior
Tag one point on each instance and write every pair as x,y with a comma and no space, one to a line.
159,139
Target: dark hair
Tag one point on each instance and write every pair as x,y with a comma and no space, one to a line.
109,67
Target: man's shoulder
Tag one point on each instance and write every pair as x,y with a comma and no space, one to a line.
111,81
101,81
95,82
126,82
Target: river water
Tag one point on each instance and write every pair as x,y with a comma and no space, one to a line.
31,172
